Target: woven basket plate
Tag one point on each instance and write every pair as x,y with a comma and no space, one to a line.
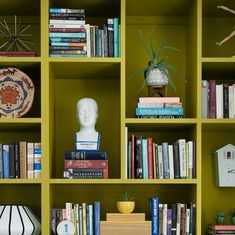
16,93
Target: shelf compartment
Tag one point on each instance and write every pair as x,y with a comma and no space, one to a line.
33,70
22,194
216,25
175,22
71,82
109,194
220,134
26,16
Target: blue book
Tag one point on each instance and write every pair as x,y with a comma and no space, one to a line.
159,111
99,42
1,162
154,203
145,158
67,35
68,55
65,10
96,218
116,36
6,161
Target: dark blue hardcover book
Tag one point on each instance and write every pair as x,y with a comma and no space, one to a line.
154,203
96,218
174,219
86,155
6,162
1,162
12,160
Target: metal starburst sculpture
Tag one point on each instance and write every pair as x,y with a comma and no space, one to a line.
15,38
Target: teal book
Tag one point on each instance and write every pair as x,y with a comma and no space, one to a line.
6,161
145,158
159,111
116,37
67,35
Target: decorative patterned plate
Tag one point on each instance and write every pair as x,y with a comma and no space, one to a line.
16,93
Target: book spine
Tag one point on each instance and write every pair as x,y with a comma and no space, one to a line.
176,160
150,105
37,160
132,156
174,219
169,221
6,161
231,101
159,116
150,157
58,14
89,173
68,55
212,99
159,99
138,158
79,22
73,44
166,172
160,161
171,161
145,158
160,219
225,101
205,101
88,40
12,160
66,10
66,52
110,37
69,48
67,30
178,224
30,160
154,161
164,219
66,26
182,158
159,111
85,164
68,18
84,231
154,203
86,155
96,218
67,35
17,160
116,36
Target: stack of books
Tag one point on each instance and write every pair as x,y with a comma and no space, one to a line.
86,165
84,216
220,229
159,107
67,32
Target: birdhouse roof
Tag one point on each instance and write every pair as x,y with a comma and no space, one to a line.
227,147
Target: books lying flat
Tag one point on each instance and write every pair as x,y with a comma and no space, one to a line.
159,99
17,53
85,164
125,217
87,173
222,227
88,155
159,111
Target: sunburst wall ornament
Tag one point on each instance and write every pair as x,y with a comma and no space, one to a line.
15,38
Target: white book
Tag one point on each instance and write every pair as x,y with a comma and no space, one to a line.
88,40
67,26
73,22
182,158
189,145
187,220
219,101
150,105
164,220
205,108
171,160
231,101
30,160
126,152
160,161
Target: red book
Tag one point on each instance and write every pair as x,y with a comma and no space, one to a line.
159,99
101,164
212,99
150,157
17,54
222,227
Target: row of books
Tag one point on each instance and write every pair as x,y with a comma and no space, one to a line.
174,219
86,165
85,218
149,160
20,160
218,100
220,229
159,107
71,36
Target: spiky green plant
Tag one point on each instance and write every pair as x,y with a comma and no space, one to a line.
127,195
156,60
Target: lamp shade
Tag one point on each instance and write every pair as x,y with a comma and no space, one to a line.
18,220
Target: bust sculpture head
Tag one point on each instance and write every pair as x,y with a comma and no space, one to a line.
87,113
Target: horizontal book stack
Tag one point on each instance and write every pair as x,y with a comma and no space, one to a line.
17,53
67,32
177,218
159,107
224,229
20,160
84,216
86,165
218,100
149,160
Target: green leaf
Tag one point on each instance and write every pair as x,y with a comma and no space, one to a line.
174,70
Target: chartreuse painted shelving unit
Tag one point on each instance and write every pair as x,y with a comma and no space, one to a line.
193,26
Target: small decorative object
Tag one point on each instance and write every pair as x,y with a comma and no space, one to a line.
225,166
232,34
156,73
65,227
15,39
16,93
127,205
17,220
232,217
220,217
87,138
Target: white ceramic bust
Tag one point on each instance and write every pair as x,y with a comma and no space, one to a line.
87,113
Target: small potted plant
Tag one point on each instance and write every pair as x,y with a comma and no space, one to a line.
127,204
156,73
232,216
220,217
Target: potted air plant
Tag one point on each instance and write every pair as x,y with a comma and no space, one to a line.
127,204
